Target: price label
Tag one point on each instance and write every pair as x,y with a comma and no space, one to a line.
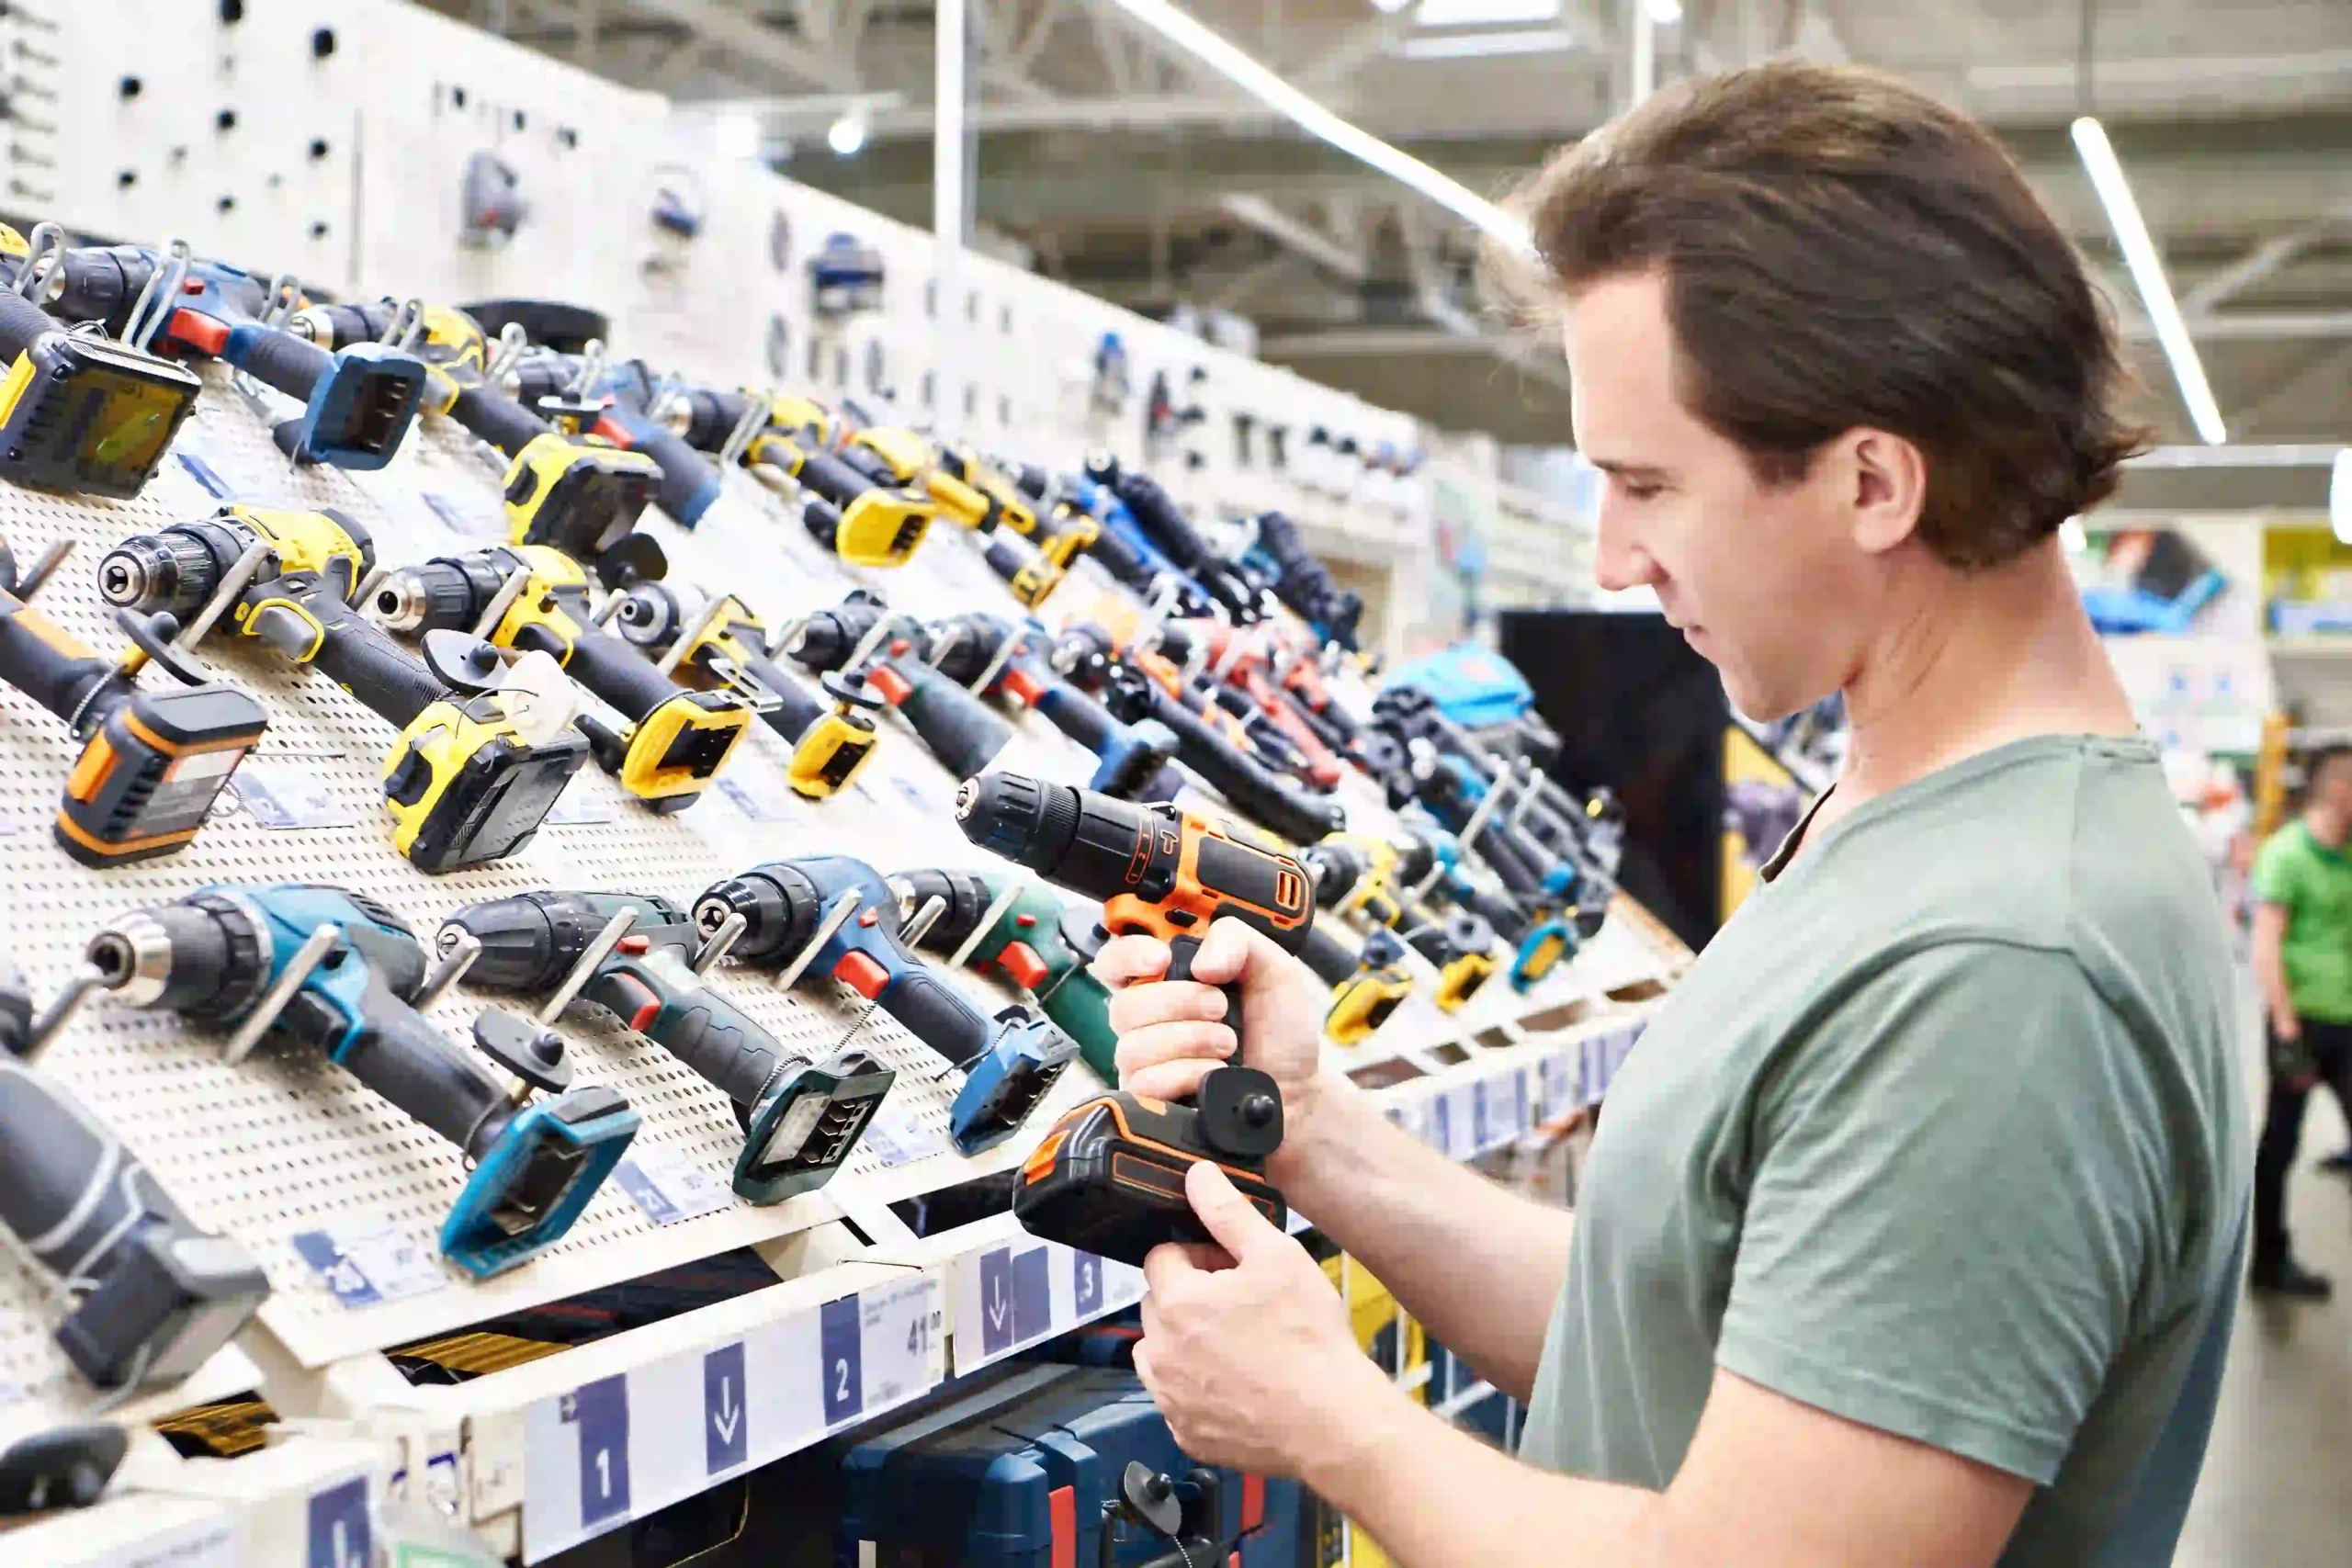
1465,1119
600,1411
581,806
1559,1083
340,1535
761,799
841,1349
364,1268
669,1186
1437,1124
901,1139
282,795
899,1332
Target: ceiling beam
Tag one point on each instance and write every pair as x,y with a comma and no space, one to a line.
1257,212
738,34
2255,266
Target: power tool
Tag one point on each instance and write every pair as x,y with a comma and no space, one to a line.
151,762
80,413
582,497
1244,657
1358,874
1078,504
1109,1177
531,598
835,918
1133,758
1021,931
1429,856
1159,517
357,401
726,646
863,637
1362,1001
853,506
800,1119
1016,551
316,967
1061,535
690,486
1251,787
470,780
148,1296
64,1467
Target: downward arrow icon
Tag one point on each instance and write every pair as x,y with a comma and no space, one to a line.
998,1305
726,1418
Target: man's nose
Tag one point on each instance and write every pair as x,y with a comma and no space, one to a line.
1619,562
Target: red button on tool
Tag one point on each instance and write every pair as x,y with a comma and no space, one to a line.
631,944
889,684
1021,961
866,918
1024,922
1023,685
865,976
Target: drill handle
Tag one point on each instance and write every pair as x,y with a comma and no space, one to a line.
279,359
1328,957
402,1055
497,418
616,673
363,659
796,710
46,663
697,1025
932,1010
828,477
958,728
66,1186
1181,953
689,484
22,324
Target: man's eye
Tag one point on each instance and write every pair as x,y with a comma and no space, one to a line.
1638,489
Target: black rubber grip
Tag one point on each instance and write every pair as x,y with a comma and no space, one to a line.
711,418
689,484
288,363
1159,517
1181,953
53,1154
701,1029
1089,724
43,660
361,657
497,419
22,323
411,1063
796,709
1328,957
959,729
934,1012
618,673
1121,559
1252,789
827,475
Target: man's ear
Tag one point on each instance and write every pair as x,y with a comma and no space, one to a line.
1889,480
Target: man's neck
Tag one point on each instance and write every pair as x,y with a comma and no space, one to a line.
2329,825
1968,662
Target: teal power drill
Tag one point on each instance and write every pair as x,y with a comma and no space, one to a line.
337,973
1034,941
800,1119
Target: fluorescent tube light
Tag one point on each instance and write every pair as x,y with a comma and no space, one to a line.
2340,496
1480,46
1245,73
1485,13
1665,13
2148,277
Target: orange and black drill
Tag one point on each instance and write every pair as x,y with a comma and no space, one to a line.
1109,1177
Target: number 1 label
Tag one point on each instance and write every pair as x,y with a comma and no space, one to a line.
601,1411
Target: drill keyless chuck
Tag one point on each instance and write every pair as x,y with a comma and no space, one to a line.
1022,818
133,958
399,603
167,571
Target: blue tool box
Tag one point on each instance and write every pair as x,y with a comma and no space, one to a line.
1016,1474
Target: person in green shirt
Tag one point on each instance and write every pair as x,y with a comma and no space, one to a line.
2303,960
1912,1227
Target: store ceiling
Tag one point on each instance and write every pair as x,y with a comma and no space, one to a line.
1119,165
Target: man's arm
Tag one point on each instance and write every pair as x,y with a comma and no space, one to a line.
1480,1267
2270,969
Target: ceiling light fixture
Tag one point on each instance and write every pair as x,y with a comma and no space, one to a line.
1485,13
1245,73
2148,275
847,134
1480,46
1665,13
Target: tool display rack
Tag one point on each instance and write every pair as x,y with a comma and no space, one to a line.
278,1145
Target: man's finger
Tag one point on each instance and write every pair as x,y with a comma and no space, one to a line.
1124,960
1232,1220
1144,1004
1226,952
1166,1264
1170,1080
1188,1042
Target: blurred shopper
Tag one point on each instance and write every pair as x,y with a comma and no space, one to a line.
1913,1227
2303,960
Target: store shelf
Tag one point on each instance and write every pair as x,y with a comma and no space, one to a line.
2311,647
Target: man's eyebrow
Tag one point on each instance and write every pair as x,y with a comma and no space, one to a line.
1624,470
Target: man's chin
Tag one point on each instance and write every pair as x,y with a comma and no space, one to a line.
1759,703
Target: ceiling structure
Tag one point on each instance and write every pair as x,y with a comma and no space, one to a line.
1106,158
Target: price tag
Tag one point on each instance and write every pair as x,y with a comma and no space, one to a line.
577,804
1437,1124
840,1351
1559,1084
1482,1129
1465,1119
669,1186
600,1411
898,1332
901,1139
340,1535
281,795
366,1268
761,799
224,471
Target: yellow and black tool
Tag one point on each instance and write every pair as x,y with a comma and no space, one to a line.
533,599
1356,874
466,782
858,512
79,412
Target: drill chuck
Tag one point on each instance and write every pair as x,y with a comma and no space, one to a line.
173,571
1028,820
206,958
779,906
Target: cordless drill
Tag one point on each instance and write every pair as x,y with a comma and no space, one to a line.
726,646
582,497
1109,1177
853,503
357,401
689,485
151,762
1541,935
225,953
148,1296
1359,874
830,917
672,743
1244,657
80,413
1060,535
801,1119
1132,758
862,637
466,782
1034,941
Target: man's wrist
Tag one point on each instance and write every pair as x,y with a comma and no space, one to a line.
1311,1112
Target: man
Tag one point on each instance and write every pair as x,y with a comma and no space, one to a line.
2303,960
1911,1227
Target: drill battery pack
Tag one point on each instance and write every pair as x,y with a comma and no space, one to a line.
1017,1474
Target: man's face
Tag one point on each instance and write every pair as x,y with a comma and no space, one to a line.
1766,581
2333,784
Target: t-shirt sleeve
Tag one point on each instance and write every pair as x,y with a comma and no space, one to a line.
2273,873
1955,1192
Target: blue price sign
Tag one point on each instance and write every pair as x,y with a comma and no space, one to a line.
1033,1295
726,1427
1441,1124
1478,1135
1086,1283
842,1344
340,1537
601,1412
996,1301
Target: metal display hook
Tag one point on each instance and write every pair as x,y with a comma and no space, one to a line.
154,305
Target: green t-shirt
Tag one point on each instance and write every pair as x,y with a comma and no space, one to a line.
1942,1134
2313,885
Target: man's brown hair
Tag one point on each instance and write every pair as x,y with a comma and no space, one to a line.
1842,251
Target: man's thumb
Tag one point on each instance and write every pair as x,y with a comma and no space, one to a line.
1232,1221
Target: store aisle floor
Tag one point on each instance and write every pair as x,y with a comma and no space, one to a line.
2277,1488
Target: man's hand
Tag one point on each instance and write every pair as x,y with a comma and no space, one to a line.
1247,1348
1172,1033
